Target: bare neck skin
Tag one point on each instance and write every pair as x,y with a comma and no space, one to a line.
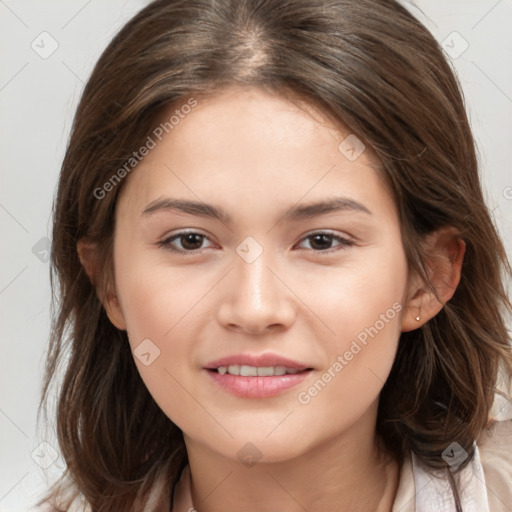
346,473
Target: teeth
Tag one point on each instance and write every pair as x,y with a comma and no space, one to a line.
234,369
265,371
248,371
279,370
253,371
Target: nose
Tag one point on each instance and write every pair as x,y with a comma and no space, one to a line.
256,297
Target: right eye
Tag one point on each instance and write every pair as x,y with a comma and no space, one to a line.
190,242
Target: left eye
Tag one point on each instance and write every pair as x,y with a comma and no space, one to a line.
191,241
321,239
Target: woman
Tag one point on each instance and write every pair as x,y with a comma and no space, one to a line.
280,285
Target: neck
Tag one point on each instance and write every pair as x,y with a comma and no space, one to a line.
345,473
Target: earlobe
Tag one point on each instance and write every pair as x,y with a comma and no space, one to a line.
114,312
414,317
445,254
89,258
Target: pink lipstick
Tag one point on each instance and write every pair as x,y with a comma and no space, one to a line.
257,376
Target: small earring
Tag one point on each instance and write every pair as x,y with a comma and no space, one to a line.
418,318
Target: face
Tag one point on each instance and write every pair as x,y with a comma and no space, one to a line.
251,232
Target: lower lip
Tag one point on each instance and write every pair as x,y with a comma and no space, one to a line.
257,387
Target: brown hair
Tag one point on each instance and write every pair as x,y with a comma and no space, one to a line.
368,63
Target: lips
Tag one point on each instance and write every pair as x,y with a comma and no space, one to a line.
256,376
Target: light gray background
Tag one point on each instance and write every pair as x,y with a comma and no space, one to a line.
38,97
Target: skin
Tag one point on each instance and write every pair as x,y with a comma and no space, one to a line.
256,155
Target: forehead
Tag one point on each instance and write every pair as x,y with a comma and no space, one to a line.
247,143
249,118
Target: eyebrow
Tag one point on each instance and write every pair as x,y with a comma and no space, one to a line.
295,213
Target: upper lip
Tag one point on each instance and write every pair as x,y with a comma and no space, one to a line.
258,360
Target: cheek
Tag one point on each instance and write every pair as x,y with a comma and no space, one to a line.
159,306
362,306
364,295
155,298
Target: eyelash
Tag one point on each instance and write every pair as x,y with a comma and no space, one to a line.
343,242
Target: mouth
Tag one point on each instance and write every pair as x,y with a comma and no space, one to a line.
264,362
257,371
259,376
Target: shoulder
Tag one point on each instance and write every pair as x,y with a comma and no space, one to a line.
495,447
484,485
63,497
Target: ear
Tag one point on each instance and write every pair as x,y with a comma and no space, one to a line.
445,253
89,258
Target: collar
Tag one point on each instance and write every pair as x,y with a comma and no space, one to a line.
424,490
